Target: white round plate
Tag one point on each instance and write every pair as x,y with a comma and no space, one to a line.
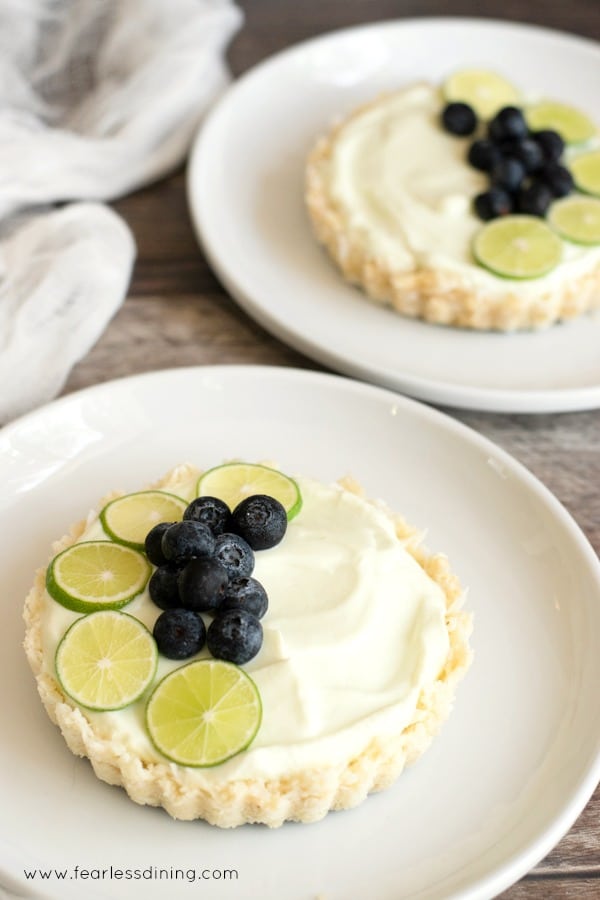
246,198
513,766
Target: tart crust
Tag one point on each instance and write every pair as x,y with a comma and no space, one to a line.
435,295
303,796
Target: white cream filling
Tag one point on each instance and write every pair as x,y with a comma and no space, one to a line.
355,629
406,190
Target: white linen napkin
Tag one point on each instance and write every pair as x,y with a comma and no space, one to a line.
97,98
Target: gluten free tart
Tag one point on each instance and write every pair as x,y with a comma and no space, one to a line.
363,642
399,191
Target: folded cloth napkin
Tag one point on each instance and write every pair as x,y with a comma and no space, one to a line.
97,97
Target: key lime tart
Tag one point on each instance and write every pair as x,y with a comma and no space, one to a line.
237,645
463,204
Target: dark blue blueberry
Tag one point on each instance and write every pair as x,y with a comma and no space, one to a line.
153,544
557,178
484,155
459,118
235,554
526,151
261,520
245,593
550,143
507,124
235,636
163,587
184,540
179,633
211,511
493,203
201,584
534,199
508,174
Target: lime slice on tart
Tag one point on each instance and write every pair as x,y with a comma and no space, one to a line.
128,519
573,125
97,575
485,91
585,170
577,219
517,246
106,660
233,482
204,713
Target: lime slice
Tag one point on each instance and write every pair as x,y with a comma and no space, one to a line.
106,660
585,170
577,219
128,519
485,91
234,482
96,575
517,247
572,125
204,713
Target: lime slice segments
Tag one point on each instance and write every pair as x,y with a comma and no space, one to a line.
204,713
485,91
585,170
94,575
573,125
128,519
106,660
517,246
233,482
577,219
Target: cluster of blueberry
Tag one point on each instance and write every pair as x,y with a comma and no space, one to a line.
524,167
204,565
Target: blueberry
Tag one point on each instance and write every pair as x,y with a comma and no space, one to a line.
508,123
163,587
235,636
184,540
508,174
534,199
211,511
235,554
261,520
550,143
526,151
484,155
557,178
245,593
493,203
201,584
459,118
153,544
179,633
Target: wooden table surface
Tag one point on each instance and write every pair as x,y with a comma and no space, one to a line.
178,314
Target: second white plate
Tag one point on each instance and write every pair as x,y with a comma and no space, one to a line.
245,194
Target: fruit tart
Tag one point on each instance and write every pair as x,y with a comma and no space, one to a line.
465,204
237,645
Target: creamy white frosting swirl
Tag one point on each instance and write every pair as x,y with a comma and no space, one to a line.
355,629
405,188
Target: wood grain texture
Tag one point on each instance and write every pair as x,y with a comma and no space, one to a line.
272,25
178,314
